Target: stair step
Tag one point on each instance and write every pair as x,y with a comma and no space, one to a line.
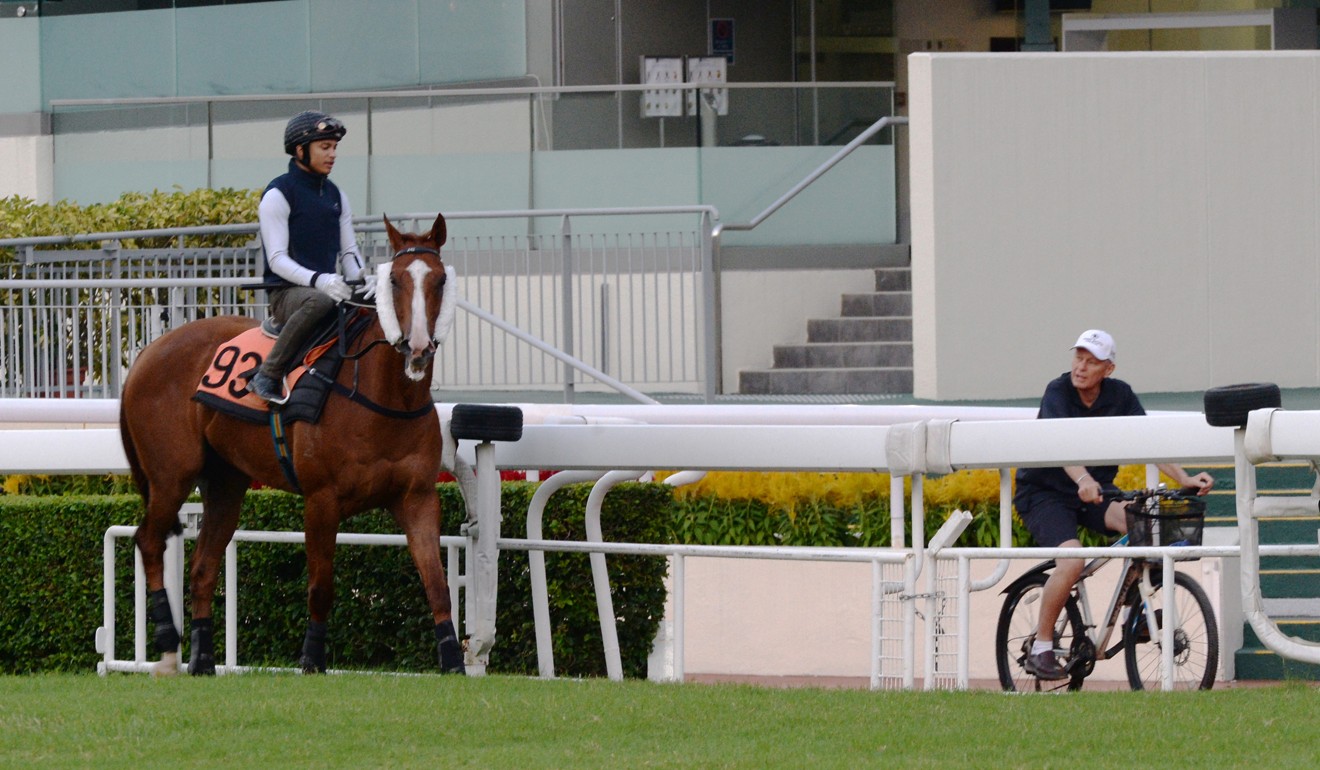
893,279
852,381
1307,629
1268,665
843,354
859,330
886,304
1288,584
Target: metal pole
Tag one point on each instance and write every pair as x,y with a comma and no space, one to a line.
566,273
711,333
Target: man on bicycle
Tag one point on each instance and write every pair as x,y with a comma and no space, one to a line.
1054,502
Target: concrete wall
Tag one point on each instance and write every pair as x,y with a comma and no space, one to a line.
768,619
1169,198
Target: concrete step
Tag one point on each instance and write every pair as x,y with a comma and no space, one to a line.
893,279
859,330
884,304
843,354
1284,583
1256,661
857,380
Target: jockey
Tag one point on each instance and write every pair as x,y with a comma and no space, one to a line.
307,234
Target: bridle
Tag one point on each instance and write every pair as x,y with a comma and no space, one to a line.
389,318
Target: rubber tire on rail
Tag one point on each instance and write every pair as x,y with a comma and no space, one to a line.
1228,405
486,422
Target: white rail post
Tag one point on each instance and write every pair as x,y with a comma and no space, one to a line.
485,554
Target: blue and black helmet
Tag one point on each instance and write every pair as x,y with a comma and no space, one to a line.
311,126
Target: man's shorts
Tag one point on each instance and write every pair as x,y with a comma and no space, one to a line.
1052,517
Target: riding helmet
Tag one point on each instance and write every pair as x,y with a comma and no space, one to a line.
311,126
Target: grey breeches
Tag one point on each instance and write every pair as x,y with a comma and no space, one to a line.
299,309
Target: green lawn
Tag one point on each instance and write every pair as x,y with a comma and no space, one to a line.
270,720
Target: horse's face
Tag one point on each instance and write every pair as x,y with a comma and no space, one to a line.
415,296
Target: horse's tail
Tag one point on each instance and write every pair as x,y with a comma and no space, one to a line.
134,465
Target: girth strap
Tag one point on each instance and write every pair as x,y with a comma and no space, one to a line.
281,440
357,398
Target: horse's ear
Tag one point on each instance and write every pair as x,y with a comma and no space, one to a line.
439,232
392,234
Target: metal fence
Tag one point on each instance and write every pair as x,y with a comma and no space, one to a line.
548,309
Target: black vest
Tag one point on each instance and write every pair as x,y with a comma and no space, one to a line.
314,209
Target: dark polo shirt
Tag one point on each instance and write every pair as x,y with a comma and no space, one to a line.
1116,399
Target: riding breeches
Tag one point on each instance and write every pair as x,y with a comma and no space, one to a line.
299,309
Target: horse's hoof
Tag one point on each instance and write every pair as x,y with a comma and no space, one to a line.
202,666
168,665
310,666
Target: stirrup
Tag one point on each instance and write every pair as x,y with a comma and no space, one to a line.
268,388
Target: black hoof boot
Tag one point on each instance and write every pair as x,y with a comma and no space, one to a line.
202,655
451,650
313,651
167,636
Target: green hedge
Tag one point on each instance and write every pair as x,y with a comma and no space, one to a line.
50,599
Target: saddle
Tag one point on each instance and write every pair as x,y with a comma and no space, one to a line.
224,385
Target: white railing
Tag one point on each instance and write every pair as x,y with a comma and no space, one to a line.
906,441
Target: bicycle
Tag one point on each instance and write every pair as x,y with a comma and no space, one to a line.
1155,517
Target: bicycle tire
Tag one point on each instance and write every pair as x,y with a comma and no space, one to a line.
1016,630
1196,639
1228,405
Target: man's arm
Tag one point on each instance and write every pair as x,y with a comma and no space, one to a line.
1201,482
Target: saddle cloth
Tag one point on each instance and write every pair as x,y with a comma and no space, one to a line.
224,385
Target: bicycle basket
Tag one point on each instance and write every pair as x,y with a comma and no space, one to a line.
1155,521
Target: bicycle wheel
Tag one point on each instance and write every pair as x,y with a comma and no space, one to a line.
1195,640
1017,630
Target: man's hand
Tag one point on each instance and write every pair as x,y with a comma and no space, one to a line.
1088,490
334,287
368,285
1201,482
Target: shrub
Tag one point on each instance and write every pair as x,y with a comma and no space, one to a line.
50,601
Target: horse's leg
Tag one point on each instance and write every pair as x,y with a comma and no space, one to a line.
418,514
222,500
321,524
160,522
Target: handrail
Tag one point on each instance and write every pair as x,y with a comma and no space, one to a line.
466,92
845,151
365,223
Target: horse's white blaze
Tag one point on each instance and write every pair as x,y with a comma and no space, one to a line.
419,338
389,320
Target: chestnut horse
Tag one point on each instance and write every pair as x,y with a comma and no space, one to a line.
379,449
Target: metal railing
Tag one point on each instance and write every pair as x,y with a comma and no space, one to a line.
617,308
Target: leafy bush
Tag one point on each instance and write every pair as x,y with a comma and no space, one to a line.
22,218
50,601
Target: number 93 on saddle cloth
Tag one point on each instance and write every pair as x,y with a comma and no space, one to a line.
224,385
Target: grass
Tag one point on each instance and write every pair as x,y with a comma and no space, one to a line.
271,720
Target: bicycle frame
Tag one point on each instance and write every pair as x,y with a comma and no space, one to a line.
1134,572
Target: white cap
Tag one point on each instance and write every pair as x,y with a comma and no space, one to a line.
1098,342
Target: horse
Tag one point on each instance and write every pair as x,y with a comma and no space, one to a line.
378,448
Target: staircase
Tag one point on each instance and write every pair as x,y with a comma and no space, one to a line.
866,351
1290,586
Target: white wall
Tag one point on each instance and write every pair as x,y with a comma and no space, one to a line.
27,162
1167,197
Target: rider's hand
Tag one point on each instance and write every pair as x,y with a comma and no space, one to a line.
334,287
1088,490
368,285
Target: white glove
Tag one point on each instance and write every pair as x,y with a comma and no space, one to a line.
368,285
334,287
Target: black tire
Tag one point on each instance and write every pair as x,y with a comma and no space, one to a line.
486,422
1017,630
1195,642
1228,405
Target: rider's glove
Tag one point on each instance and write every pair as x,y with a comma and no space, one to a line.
368,285
334,287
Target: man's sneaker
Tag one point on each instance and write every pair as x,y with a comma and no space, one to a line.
1043,665
267,388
